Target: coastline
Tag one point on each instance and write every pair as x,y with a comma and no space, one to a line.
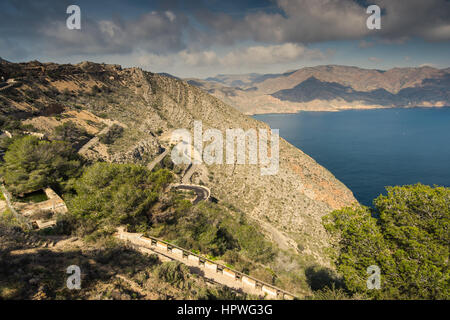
341,109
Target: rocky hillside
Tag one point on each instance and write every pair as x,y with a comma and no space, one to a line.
331,88
110,271
148,107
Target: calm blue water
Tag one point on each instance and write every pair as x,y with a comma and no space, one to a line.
370,149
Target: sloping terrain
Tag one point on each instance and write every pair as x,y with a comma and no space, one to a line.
34,267
148,106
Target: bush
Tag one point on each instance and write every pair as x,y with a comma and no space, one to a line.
220,293
9,123
208,228
31,164
333,293
174,273
7,218
254,244
320,278
406,236
115,194
95,90
71,133
114,133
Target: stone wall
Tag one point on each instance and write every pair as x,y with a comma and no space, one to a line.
218,271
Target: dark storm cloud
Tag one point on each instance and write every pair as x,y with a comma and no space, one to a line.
170,26
43,26
428,19
157,32
306,21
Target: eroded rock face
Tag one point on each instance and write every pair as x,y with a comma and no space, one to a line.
288,205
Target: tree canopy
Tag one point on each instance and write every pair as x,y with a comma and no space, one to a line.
31,164
114,194
406,236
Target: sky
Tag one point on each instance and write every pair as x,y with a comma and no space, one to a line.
202,38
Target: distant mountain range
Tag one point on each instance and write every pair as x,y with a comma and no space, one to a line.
331,88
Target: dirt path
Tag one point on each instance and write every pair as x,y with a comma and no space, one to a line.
92,142
158,159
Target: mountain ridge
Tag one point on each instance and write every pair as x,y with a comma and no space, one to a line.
405,87
288,206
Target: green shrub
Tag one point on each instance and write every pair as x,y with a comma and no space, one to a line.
174,273
220,293
114,133
69,132
406,236
31,164
254,244
95,90
114,194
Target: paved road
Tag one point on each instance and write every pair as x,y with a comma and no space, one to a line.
96,139
203,193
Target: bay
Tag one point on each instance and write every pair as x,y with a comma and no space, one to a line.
370,149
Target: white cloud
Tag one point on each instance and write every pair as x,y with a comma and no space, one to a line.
428,64
156,32
375,59
265,54
204,58
252,56
170,15
438,33
428,19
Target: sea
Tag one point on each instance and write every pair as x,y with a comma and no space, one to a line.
370,149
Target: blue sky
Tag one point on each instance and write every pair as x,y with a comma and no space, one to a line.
201,38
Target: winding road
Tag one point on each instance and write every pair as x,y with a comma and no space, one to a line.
202,192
